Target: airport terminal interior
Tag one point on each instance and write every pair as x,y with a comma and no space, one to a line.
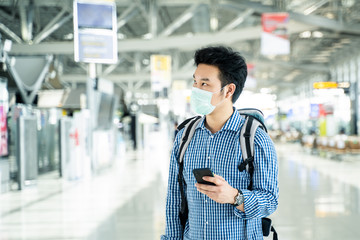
92,91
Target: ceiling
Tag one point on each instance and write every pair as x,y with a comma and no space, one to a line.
320,32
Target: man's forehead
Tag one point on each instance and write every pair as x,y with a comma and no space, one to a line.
206,73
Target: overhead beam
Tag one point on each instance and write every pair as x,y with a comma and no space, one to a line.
6,15
238,20
160,44
121,3
186,73
10,33
49,29
124,78
183,18
26,16
292,65
45,31
112,67
313,20
142,9
314,7
127,15
153,19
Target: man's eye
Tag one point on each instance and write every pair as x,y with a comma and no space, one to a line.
203,84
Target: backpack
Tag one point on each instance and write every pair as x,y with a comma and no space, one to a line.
254,118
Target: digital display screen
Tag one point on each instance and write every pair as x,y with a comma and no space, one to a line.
95,16
95,32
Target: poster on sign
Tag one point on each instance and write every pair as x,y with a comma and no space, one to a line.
274,37
160,72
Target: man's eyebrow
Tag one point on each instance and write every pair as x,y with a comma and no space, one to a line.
202,79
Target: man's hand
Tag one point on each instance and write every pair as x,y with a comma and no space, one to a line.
221,193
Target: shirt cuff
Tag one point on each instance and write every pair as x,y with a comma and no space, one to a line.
247,195
163,237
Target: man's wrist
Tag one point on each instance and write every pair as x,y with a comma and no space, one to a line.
239,199
233,198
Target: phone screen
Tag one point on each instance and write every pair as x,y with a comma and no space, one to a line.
199,173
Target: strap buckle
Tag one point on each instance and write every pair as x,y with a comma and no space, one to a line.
243,165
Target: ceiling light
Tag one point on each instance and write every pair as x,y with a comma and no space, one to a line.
69,36
345,40
214,23
330,15
306,34
265,90
317,34
121,36
147,36
146,61
348,3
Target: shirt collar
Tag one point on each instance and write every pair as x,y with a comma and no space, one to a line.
232,124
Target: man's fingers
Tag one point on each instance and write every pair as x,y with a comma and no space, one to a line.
216,180
220,177
205,187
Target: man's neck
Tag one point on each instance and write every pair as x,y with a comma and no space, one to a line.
217,119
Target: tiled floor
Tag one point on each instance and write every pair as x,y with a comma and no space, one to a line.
319,199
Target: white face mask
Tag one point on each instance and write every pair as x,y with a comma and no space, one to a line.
201,101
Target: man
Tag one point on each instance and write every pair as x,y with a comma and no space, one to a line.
227,210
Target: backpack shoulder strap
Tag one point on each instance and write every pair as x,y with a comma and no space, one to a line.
189,126
253,120
247,136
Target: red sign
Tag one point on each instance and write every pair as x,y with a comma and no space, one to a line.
275,23
274,38
75,136
3,133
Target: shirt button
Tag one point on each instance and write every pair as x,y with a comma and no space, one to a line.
206,201
212,136
206,222
208,157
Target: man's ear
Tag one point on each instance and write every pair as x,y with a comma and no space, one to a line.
231,90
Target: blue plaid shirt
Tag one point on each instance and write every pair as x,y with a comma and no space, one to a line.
221,152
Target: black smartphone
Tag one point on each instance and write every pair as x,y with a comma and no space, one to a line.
199,173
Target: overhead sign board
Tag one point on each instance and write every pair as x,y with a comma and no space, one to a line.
95,32
160,72
274,37
325,85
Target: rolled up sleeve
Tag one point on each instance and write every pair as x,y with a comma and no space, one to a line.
262,200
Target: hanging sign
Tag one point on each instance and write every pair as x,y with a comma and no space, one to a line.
95,32
324,85
160,72
274,38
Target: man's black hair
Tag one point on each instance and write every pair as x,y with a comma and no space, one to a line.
231,65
